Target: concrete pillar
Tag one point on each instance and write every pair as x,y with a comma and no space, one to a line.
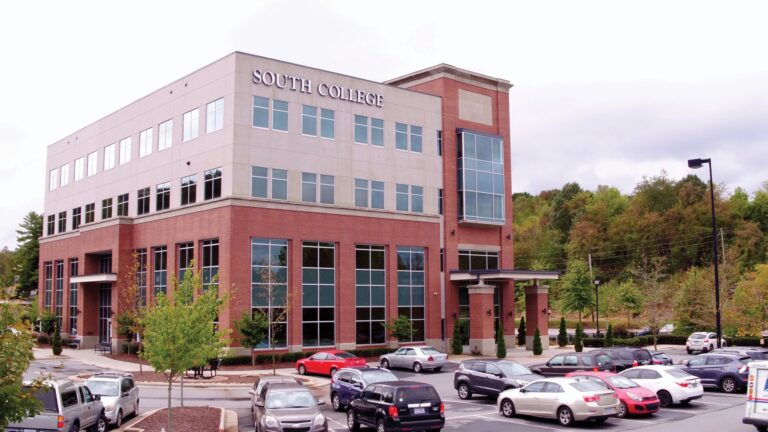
536,315
481,335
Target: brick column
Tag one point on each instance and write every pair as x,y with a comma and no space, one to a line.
481,336
536,316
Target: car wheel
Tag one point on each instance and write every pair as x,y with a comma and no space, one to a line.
333,371
711,347
623,410
336,402
352,422
302,370
689,351
385,363
762,428
665,399
464,391
507,408
119,418
380,426
565,416
417,367
728,385
100,425
438,369
136,408
75,427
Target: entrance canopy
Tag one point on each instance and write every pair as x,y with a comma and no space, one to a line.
98,277
490,275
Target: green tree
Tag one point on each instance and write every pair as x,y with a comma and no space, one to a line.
401,328
537,348
456,346
562,335
577,340
48,322
179,330
750,302
609,336
576,288
501,345
521,332
694,301
629,298
253,329
56,341
6,268
650,276
27,255
16,400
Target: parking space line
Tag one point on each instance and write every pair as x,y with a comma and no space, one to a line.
470,415
638,420
712,403
521,422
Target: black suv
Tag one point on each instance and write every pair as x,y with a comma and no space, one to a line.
397,406
625,357
490,377
561,364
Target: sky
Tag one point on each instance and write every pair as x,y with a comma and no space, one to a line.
604,92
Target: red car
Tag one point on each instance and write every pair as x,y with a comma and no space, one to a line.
634,398
328,362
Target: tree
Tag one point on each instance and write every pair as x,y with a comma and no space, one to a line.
133,303
401,328
6,268
27,256
501,345
695,301
179,331
650,275
253,329
521,332
456,346
629,299
609,336
48,322
562,335
577,340
750,302
17,401
576,288
537,348
56,341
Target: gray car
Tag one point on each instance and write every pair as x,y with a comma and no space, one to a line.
66,407
119,395
417,358
289,407
262,384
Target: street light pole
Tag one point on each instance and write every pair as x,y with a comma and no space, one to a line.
597,306
695,164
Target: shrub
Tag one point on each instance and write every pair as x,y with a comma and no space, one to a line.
501,346
562,336
670,339
56,342
609,336
456,346
521,332
577,341
43,339
537,349
743,341
620,330
48,323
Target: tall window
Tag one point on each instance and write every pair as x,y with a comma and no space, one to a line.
162,196
142,201
410,288
327,187
279,115
211,264
93,160
214,116
191,124
481,178
439,201
403,137
62,222
188,189
186,255
309,187
90,213
160,269
318,299
361,193
416,139
122,205
409,198
145,142
51,225
369,192
53,179
439,143
73,269
79,168
65,174
141,276
213,184
370,295
109,157
361,129
76,218
309,120
165,135
260,183
476,260
327,123
401,197
47,285
106,208
59,291
269,287
125,150
377,132
417,199
261,113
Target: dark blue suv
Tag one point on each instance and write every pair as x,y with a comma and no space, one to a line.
728,372
348,383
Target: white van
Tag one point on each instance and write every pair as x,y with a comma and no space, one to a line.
757,396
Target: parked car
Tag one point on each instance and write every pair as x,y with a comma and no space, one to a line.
702,341
328,362
755,353
566,399
417,358
627,357
727,372
490,377
633,398
397,406
659,358
118,393
645,331
348,383
260,386
667,329
670,384
66,407
561,364
289,407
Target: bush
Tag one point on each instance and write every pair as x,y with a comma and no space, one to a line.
56,342
291,357
620,330
562,336
501,346
609,336
670,339
577,341
456,346
43,339
521,332
48,323
743,341
537,348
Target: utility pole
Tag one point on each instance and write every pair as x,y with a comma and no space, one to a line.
597,296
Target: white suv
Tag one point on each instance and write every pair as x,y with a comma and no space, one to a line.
119,395
702,341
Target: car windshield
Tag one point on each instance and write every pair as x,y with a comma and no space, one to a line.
416,394
660,355
376,376
290,399
345,355
46,396
510,368
698,336
585,386
621,382
675,373
104,388
430,351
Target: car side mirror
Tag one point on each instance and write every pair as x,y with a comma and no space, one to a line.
320,402
499,375
357,385
125,394
97,397
259,403
522,390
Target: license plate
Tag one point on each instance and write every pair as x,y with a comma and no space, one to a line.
694,385
418,410
610,411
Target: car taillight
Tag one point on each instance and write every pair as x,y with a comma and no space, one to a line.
683,384
442,408
744,370
593,398
60,422
393,412
430,358
594,369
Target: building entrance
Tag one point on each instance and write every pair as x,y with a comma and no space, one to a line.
105,313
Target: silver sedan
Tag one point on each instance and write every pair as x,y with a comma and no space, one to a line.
417,358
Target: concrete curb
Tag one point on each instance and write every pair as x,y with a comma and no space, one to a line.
227,421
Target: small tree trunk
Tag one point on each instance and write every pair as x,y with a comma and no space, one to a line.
253,357
170,383
182,390
274,368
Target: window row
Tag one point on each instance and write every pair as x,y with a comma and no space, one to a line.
120,153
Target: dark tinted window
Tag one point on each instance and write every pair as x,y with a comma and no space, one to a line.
633,373
556,361
377,393
492,369
478,367
717,361
345,355
642,355
571,360
586,360
416,394
343,376
68,399
650,374
387,394
603,359
47,397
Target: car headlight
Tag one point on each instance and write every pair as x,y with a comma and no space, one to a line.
319,420
270,421
634,397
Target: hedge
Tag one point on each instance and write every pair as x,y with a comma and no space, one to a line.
640,341
290,357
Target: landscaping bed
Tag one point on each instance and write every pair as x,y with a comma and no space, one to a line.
199,419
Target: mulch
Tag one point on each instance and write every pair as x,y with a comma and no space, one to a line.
198,419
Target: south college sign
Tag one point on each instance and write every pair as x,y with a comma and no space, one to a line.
302,85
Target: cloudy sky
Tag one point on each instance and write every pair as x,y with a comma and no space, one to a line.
604,92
